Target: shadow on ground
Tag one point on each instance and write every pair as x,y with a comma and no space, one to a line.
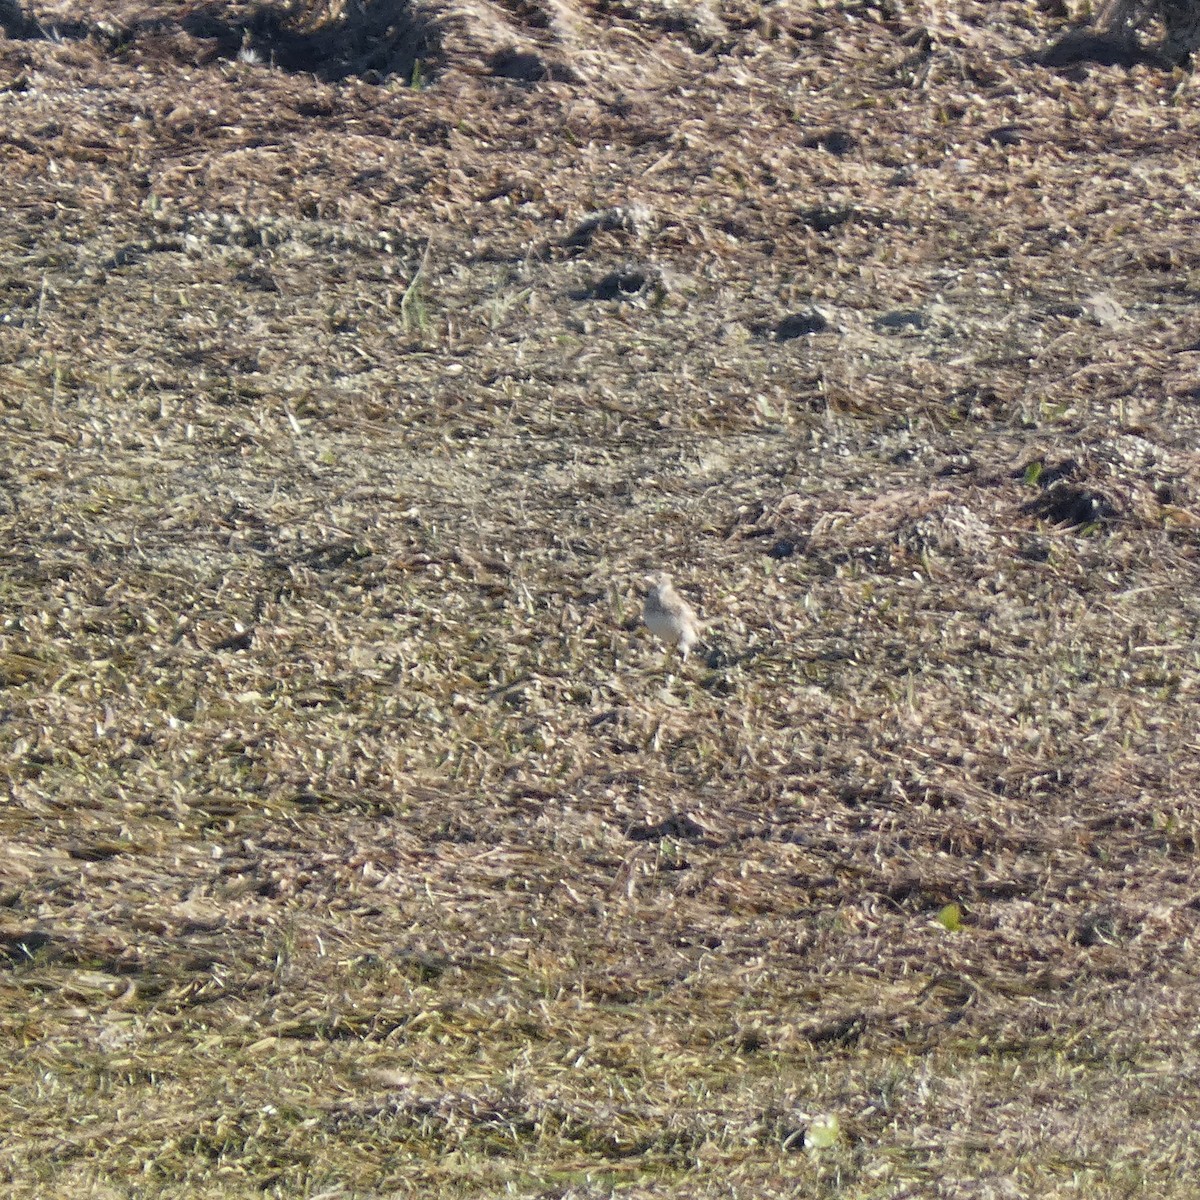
374,39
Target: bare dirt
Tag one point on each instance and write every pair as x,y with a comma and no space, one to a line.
357,364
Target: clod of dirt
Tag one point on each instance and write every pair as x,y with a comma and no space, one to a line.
902,318
825,217
1070,506
794,325
1006,135
836,141
526,66
678,826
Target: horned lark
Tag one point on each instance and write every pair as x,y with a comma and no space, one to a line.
668,615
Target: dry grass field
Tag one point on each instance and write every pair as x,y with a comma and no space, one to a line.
358,362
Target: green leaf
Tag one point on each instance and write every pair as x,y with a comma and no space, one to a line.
950,918
822,1132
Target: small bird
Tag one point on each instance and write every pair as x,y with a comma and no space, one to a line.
668,615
